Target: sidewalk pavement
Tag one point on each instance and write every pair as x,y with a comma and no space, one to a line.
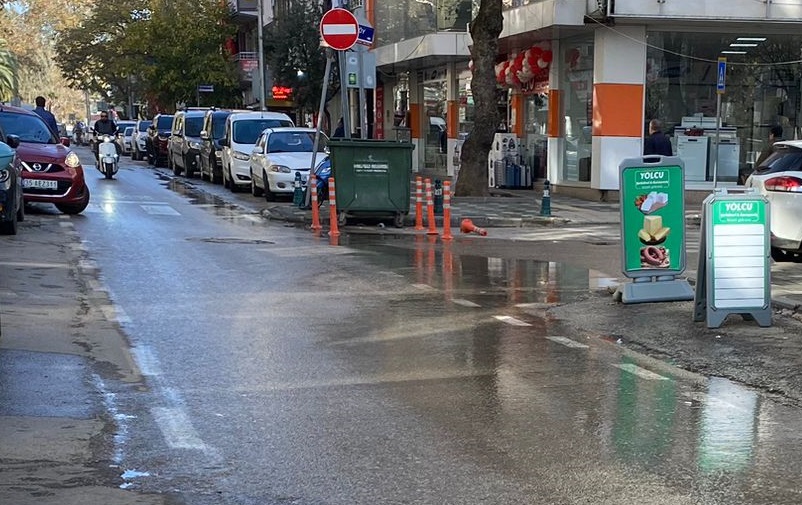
521,209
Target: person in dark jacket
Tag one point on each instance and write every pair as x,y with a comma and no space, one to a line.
657,142
339,132
45,114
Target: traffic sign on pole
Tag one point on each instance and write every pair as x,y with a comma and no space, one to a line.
722,75
339,29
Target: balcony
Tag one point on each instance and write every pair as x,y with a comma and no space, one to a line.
248,63
776,11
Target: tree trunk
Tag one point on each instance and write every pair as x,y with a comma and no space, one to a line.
485,29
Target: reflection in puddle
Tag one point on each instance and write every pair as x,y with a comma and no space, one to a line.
728,426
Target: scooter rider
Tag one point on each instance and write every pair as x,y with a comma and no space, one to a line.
104,126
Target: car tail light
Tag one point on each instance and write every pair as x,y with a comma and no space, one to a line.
784,183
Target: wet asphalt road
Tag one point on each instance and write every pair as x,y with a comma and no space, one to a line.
281,369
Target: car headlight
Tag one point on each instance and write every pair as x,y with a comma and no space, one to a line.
218,154
280,168
5,175
72,160
240,156
194,145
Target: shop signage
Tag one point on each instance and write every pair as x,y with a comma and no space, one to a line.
281,93
734,267
652,191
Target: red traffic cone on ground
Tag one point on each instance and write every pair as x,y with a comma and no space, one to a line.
467,226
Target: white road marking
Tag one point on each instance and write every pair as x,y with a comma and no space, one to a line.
160,210
641,372
65,224
146,361
567,342
303,251
511,320
423,287
255,219
28,264
465,303
176,428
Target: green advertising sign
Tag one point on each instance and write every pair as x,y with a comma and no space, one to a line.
739,212
652,219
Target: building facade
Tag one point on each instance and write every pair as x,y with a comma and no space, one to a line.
579,81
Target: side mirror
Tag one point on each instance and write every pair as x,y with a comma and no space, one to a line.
224,142
204,135
65,141
12,141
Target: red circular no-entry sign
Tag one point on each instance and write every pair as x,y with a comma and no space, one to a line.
339,29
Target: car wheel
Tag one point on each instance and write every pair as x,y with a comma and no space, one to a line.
9,227
21,212
779,255
269,195
255,190
212,176
187,167
77,208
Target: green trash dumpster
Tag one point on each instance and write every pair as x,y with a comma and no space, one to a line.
372,178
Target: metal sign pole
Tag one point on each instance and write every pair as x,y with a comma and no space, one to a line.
363,106
321,109
718,139
344,94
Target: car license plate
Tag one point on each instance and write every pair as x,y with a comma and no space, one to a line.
39,184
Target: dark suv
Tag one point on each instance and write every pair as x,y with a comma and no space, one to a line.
51,172
185,143
214,128
158,135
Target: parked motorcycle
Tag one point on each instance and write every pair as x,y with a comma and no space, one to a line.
322,174
107,157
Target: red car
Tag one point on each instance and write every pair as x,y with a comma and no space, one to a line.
51,171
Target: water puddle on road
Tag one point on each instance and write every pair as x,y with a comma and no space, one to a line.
215,204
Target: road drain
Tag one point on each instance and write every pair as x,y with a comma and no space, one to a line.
231,240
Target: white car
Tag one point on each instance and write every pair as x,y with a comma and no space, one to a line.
124,140
139,144
278,155
779,179
242,129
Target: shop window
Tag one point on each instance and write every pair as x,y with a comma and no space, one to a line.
577,54
434,124
762,90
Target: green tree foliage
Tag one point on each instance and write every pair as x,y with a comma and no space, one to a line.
157,50
293,53
8,73
485,29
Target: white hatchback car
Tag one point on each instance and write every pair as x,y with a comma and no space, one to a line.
278,155
779,179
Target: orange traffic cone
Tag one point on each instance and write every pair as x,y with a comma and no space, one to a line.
467,226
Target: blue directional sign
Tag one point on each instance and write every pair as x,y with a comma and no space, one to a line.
722,74
365,36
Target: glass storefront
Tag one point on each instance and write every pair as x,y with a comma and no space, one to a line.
762,90
435,109
407,19
536,113
577,76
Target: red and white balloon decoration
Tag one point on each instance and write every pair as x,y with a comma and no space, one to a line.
529,65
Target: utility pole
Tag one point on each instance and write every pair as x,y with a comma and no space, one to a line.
260,53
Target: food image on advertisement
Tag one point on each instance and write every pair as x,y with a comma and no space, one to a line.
654,257
651,202
653,231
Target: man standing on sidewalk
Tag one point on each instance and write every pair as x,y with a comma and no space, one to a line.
45,114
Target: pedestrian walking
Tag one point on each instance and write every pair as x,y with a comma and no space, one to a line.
45,114
657,142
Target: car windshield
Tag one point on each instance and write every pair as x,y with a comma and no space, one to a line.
143,126
292,142
129,131
164,122
29,128
246,131
193,126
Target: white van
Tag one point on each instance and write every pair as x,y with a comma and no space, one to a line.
241,132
